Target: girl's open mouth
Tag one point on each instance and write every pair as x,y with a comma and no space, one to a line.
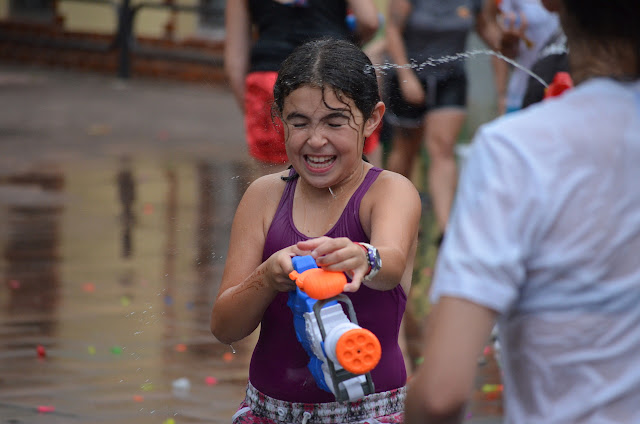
319,162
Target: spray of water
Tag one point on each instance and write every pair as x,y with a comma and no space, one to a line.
452,58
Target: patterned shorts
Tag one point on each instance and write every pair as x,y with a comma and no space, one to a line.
258,408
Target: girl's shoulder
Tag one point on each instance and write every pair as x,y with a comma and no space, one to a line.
266,190
389,179
391,187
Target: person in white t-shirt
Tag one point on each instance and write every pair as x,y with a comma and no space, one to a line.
544,239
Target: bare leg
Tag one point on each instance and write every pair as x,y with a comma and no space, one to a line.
442,129
405,148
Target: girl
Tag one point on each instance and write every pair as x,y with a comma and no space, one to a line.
326,96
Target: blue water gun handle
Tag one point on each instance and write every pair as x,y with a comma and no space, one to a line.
300,303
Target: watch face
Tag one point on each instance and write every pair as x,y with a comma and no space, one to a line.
374,259
377,261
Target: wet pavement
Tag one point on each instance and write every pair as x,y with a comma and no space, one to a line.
116,200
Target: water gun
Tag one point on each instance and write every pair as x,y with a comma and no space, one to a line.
341,353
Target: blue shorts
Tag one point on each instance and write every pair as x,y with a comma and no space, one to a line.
446,90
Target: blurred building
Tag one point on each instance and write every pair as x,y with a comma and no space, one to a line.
180,39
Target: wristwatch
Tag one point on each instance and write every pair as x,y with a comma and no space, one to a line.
374,260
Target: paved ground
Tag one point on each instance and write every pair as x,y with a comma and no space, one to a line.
115,205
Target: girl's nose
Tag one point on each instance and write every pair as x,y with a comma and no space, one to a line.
317,138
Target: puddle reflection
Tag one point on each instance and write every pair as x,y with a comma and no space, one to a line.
110,270
127,195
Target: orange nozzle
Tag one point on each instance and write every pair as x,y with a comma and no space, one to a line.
318,283
358,351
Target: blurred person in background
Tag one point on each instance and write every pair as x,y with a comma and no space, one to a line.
260,34
552,60
527,26
428,104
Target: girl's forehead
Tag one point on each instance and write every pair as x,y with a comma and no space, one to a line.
317,97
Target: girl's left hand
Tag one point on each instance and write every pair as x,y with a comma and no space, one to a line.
339,254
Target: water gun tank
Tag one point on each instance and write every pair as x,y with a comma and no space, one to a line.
342,353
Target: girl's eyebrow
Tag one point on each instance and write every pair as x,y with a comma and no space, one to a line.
295,115
336,114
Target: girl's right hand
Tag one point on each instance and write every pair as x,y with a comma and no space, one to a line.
278,267
411,88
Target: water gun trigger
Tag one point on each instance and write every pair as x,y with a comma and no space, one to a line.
294,275
298,278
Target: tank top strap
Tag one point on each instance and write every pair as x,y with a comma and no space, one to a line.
369,179
285,207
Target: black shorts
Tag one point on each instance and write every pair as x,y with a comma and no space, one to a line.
448,90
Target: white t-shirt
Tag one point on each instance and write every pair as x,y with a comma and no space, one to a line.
541,25
546,231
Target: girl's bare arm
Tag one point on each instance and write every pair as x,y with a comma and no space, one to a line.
366,15
248,285
237,45
398,13
394,221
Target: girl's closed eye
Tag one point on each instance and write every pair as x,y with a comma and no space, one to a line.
297,122
336,123
337,120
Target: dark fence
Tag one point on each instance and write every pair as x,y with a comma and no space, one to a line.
123,40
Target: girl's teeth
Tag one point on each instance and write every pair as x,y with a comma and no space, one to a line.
319,161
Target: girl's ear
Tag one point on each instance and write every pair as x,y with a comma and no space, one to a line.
373,122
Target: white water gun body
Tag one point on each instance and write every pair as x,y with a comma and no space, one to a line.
342,353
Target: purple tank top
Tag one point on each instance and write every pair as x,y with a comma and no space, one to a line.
279,363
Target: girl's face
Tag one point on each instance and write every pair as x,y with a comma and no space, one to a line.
325,137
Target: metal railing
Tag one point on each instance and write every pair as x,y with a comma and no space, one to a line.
124,40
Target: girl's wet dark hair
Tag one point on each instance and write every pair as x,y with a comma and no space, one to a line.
329,64
606,21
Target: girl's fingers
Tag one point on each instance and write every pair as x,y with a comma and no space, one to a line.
348,264
340,255
355,283
323,246
297,251
312,244
347,255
